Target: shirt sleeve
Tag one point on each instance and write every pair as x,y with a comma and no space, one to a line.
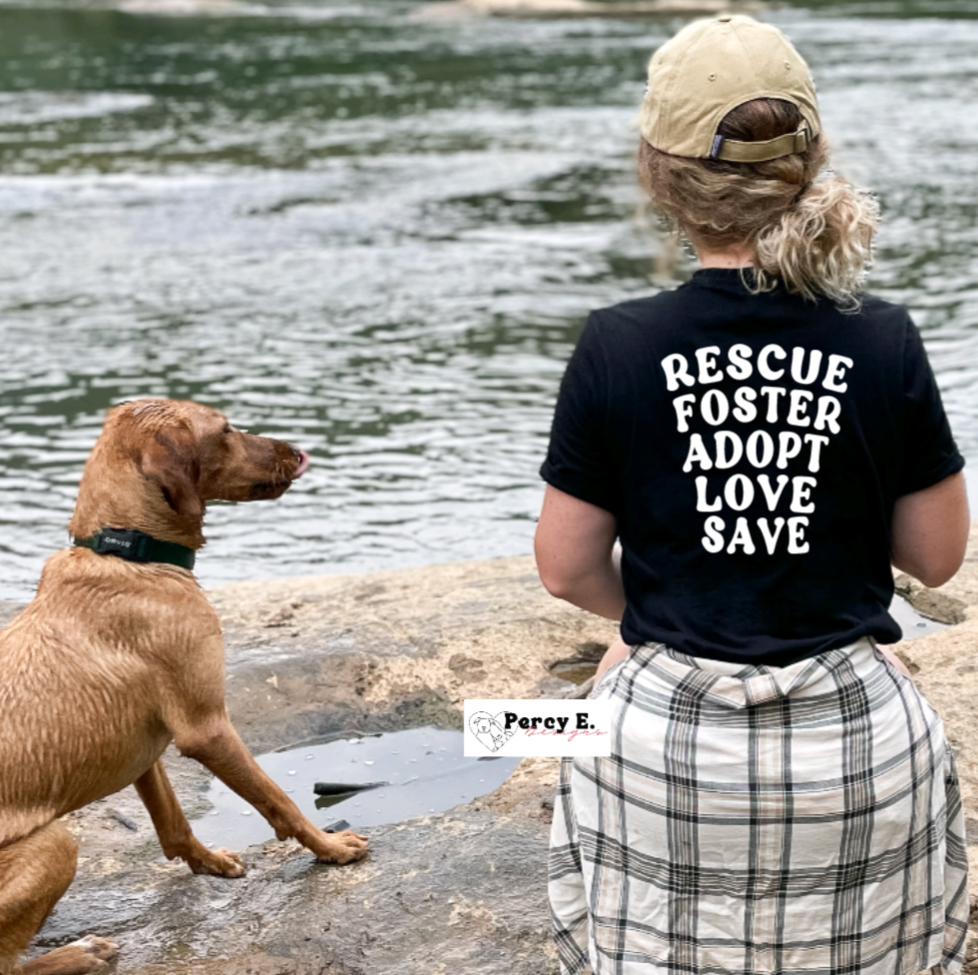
578,459
930,453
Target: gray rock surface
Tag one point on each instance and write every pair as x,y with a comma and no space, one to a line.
460,893
453,893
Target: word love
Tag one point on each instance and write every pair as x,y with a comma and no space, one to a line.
738,493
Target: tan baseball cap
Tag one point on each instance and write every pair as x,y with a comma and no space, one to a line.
707,70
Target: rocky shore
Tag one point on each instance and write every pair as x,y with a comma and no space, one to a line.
462,891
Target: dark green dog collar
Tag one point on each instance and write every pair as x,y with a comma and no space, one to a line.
137,546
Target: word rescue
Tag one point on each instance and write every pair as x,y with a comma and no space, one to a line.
541,727
797,423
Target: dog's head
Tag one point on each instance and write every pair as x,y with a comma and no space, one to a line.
480,723
158,462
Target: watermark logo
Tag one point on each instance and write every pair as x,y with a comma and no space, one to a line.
544,728
490,730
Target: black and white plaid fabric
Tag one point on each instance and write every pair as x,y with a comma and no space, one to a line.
803,820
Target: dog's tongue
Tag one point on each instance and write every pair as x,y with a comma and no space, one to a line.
303,464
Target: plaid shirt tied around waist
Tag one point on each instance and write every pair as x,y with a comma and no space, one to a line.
752,820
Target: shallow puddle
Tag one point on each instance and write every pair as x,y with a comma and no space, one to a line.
911,622
423,769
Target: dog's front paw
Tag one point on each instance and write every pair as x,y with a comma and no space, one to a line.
217,863
82,957
342,847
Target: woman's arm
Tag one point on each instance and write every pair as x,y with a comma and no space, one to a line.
574,548
930,531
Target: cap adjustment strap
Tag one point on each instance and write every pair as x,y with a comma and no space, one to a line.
731,150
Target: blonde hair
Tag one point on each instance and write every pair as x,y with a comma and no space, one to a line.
811,231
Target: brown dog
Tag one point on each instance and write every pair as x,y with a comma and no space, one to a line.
114,659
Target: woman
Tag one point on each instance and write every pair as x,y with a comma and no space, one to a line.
764,441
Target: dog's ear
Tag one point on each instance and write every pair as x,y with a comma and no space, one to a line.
169,457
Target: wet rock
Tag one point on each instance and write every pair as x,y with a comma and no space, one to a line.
344,788
463,892
591,650
932,603
527,794
123,820
452,893
574,669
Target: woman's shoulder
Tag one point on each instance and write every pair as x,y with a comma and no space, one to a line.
637,315
875,308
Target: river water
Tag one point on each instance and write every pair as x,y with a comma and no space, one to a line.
378,237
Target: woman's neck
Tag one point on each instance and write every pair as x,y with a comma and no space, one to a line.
736,255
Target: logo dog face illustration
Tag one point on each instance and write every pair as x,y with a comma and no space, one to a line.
489,731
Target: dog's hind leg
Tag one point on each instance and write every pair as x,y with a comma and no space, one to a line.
34,874
174,832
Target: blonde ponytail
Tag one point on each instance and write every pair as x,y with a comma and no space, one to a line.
822,244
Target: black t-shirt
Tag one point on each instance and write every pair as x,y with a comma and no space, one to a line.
751,448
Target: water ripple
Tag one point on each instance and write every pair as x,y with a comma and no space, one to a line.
378,238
